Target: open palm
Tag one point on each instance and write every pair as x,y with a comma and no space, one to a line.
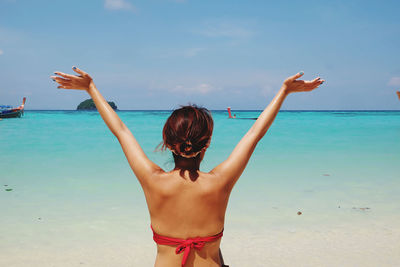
68,81
292,85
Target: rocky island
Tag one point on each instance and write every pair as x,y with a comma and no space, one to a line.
88,104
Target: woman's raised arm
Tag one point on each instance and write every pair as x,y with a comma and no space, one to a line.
140,164
231,169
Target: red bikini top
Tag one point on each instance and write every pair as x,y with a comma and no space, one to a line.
184,244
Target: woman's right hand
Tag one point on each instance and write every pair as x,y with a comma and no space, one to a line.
83,81
291,84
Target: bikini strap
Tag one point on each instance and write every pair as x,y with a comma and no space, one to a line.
184,245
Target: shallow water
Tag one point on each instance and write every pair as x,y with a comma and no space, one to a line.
73,191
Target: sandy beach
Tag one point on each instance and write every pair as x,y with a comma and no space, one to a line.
365,244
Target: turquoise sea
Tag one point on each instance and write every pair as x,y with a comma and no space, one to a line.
74,200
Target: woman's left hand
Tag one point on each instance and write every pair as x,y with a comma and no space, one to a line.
68,81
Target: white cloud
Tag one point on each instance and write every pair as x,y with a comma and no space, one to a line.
394,81
181,52
192,52
118,5
226,29
267,90
203,88
255,81
11,37
1,52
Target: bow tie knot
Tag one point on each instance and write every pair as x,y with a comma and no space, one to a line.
189,244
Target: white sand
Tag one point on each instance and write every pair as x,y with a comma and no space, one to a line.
349,246
362,244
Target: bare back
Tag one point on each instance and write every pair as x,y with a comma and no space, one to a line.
184,207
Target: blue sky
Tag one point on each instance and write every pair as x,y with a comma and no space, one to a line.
157,54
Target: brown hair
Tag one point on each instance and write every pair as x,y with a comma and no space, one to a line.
188,130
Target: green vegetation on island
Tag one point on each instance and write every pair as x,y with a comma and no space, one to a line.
88,104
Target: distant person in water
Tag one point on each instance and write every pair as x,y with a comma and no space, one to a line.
398,94
229,112
187,207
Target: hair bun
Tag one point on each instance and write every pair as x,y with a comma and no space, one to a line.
188,146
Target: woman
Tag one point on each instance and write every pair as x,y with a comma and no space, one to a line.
187,207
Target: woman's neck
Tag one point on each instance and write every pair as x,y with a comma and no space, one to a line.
190,164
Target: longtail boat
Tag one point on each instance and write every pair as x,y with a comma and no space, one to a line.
10,112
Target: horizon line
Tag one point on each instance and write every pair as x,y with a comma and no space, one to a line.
287,110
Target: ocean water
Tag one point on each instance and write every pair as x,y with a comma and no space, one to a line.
74,195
